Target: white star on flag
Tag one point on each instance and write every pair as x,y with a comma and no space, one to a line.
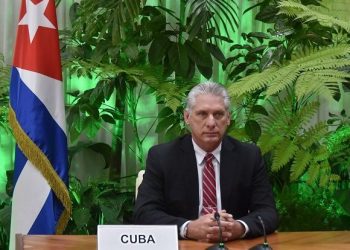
35,17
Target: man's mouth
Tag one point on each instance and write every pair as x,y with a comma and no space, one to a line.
211,133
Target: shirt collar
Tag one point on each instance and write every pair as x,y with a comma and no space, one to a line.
200,153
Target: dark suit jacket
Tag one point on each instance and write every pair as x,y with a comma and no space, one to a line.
169,192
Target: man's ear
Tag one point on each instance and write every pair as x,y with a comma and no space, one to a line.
186,116
229,119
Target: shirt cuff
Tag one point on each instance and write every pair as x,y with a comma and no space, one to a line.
245,227
183,230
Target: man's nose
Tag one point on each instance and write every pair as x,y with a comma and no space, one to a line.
211,121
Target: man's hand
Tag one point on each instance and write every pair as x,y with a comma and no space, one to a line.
234,229
206,228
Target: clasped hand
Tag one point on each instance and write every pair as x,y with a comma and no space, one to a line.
206,228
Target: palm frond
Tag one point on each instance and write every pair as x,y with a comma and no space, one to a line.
303,12
218,14
317,55
317,84
286,77
252,82
318,67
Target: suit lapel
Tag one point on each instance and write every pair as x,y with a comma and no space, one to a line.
228,171
191,179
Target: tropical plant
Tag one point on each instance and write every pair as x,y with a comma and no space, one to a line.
191,42
297,10
5,220
289,31
95,203
115,50
5,211
338,144
305,208
317,73
283,97
4,90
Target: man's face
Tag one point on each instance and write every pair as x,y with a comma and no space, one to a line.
208,121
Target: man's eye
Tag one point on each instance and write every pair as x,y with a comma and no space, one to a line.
218,115
202,114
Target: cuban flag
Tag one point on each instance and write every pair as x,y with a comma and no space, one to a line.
41,203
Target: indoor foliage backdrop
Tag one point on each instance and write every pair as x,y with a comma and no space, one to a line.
98,201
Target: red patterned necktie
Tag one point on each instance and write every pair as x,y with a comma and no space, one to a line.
209,186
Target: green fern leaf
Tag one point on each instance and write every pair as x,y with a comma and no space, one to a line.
300,11
326,64
286,77
313,135
321,154
325,174
317,55
340,75
318,67
267,142
282,154
304,115
301,160
313,173
315,84
279,115
252,82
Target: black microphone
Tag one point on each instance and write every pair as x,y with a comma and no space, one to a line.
265,245
221,245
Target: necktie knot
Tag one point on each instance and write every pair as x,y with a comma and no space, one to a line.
208,158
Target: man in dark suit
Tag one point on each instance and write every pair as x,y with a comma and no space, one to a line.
189,179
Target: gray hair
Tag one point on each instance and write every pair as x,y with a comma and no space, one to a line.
208,87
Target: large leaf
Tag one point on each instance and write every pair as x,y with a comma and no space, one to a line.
158,49
216,52
207,72
178,59
164,124
198,53
253,130
103,149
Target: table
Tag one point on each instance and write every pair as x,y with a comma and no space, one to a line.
338,240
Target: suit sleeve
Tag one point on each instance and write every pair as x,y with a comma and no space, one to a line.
150,206
262,202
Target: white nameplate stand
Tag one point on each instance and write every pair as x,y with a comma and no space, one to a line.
137,237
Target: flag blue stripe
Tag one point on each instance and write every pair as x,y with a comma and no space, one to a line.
39,125
20,161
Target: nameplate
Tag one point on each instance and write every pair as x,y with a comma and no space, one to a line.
137,237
